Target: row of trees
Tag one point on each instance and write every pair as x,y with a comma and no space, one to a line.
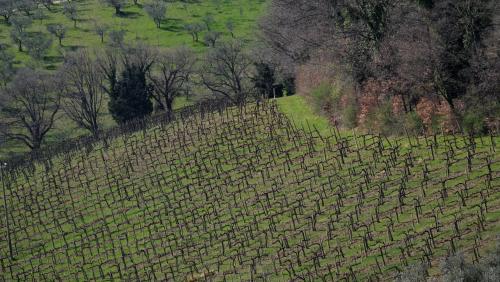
411,49
136,80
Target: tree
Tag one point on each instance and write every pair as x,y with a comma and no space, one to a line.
38,45
101,29
157,11
116,37
47,4
82,93
7,69
58,30
7,9
117,4
211,38
171,76
70,10
130,93
194,29
18,31
38,14
31,108
131,96
459,27
26,6
208,20
226,72
264,79
230,27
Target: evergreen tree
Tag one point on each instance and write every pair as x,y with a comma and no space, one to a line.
130,97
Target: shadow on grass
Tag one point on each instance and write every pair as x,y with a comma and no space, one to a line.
128,15
173,25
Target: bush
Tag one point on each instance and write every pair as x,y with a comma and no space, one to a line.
473,123
350,113
413,123
455,268
413,273
383,121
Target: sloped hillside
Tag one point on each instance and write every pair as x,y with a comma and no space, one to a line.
243,194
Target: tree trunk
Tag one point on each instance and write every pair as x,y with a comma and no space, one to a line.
60,41
20,46
169,104
117,10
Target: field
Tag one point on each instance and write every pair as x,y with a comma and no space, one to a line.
249,194
138,27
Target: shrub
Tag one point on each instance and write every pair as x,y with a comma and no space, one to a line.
413,123
350,113
413,273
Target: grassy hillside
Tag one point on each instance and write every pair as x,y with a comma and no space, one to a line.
138,26
246,195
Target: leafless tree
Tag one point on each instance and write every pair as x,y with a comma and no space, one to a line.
30,108
226,71
171,76
82,93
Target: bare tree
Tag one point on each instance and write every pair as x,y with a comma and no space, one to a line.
31,108
156,10
171,76
226,72
82,93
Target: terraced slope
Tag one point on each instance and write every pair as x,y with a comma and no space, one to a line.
243,194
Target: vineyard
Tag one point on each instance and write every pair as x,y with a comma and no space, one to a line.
243,194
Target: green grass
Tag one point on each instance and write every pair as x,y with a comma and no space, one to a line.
298,109
139,27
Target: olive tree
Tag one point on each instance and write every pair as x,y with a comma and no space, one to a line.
71,12
18,31
58,30
156,10
7,9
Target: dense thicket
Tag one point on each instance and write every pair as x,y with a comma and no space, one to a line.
445,50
